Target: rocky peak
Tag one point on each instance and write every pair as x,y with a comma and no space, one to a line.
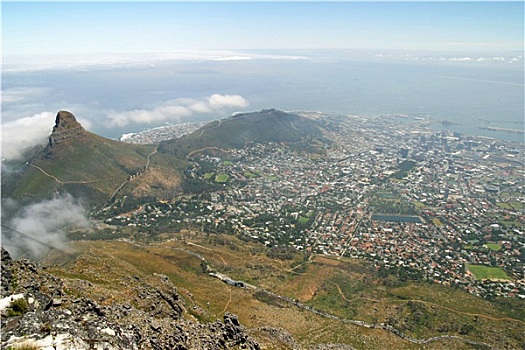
66,128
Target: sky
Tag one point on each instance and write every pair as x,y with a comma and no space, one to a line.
115,27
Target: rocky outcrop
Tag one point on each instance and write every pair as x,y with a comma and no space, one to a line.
7,274
41,311
66,128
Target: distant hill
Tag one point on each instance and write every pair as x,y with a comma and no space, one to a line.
77,162
268,125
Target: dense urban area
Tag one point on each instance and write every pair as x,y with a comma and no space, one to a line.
413,200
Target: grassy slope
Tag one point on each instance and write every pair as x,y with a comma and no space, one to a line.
91,167
346,288
162,180
103,164
235,132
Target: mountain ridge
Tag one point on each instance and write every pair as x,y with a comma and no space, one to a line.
89,166
77,162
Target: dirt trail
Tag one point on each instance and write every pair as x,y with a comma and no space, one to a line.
57,180
148,161
215,127
228,303
188,156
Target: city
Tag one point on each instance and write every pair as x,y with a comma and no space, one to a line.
419,203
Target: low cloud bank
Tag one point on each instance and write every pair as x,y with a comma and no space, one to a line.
177,110
45,222
22,134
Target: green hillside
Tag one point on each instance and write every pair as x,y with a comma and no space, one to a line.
88,166
268,125
93,168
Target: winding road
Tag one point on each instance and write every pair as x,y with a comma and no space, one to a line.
148,161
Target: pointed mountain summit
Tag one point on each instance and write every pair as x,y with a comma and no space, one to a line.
88,166
66,128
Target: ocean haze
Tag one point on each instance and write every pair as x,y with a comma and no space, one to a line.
469,90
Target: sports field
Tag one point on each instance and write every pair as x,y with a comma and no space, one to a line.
486,272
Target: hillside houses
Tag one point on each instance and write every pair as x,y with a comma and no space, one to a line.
282,196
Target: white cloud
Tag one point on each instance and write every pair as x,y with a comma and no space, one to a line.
200,107
44,221
217,101
21,134
234,58
176,110
460,59
245,57
86,124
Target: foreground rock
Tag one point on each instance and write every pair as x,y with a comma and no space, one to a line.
37,313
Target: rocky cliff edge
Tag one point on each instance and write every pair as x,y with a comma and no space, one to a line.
38,313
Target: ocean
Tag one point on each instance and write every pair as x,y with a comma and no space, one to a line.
480,94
